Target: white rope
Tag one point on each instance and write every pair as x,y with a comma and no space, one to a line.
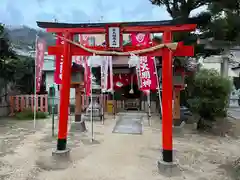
171,46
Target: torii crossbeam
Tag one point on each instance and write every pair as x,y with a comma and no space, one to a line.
113,32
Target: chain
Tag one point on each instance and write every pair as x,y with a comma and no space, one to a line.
171,46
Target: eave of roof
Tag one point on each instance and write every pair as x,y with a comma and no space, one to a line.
123,24
235,68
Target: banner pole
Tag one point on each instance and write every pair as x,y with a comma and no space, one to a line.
53,109
35,85
92,138
114,108
102,111
158,85
149,108
102,96
111,84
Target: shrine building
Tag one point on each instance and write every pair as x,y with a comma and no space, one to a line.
124,78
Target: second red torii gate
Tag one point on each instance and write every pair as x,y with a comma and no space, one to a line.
68,49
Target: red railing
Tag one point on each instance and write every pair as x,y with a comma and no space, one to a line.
19,103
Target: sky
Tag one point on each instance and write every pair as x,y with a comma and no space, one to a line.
27,12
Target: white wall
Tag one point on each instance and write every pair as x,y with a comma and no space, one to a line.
214,62
50,82
216,66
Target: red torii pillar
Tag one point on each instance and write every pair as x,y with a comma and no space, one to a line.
167,96
65,94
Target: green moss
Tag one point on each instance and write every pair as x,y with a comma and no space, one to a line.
28,115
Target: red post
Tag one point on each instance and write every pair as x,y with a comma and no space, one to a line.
64,95
167,97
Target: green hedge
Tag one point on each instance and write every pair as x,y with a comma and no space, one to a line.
210,94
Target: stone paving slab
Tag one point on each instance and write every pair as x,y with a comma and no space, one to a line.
128,124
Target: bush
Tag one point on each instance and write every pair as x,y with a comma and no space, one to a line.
28,114
210,95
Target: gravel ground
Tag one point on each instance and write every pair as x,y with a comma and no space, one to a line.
26,154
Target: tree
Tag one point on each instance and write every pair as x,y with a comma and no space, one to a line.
5,47
180,9
221,20
5,54
13,68
210,95
225,24
23,75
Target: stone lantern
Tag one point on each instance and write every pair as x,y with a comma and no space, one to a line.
77,82
94,106
178,85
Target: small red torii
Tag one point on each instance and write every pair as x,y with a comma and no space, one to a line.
68,50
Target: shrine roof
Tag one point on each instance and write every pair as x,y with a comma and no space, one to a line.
124,24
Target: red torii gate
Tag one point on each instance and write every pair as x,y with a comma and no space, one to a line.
68,49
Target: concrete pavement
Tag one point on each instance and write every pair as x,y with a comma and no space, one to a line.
234,113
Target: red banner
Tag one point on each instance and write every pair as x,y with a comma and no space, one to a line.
83,39
147,76
58,62
87,77
40,50
140,39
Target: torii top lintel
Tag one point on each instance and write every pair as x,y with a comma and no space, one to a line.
126,27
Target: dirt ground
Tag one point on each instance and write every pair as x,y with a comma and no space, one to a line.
27,154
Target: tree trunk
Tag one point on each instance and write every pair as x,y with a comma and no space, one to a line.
200,124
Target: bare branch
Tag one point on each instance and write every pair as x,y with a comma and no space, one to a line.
157,2
167,4
199,3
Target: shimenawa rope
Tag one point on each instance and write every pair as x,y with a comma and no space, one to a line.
171,46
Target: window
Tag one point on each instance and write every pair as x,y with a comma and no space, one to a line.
91,41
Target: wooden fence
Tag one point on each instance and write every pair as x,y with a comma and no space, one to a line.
21,102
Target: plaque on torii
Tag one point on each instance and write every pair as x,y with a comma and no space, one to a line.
114,37
114,33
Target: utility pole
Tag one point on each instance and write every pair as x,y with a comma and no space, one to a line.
224,66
